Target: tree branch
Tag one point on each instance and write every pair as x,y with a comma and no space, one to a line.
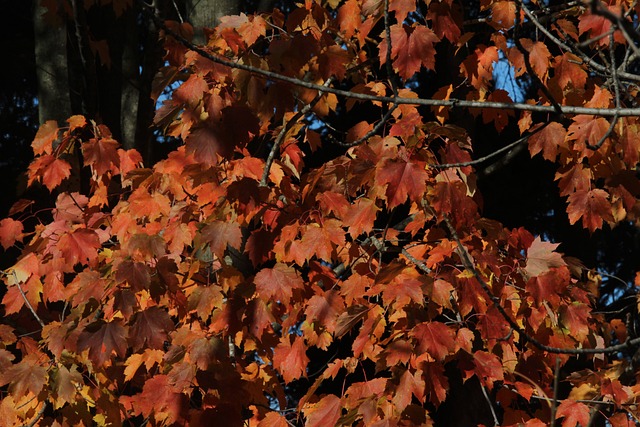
427,102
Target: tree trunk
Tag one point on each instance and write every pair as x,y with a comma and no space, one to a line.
54,102
206,13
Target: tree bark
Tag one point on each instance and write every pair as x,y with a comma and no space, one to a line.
52,71
207,13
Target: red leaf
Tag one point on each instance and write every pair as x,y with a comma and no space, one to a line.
28,376
578,178
360,216
410,385
548,140
567,69
290,359
102,339
402,178
411,48
402,8
443,22
277,283
102,155
273,419
575,317
592,206
541,257
503,14
151,327
158,398
435,338
10,232
488,368
324,413
50,170
80,246
574,413
219,234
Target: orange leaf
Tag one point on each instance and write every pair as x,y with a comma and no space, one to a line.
80,246
435,338
10,232
290,359
592,206
325,413
402,178
277,283
28,376
43,142
50,170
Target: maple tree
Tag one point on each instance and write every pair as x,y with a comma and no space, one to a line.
278,269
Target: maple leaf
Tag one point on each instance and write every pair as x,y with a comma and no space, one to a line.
575,317
273,419
220,234
204,299
438,384
10,232
290,359
567,69
539,57
577,178
277,282
574,413
402,8
435,338
503,14
136,274
65,384
102,339
28,376
360,216
488,368
150,327
409,385
326,412
43,141
149,357
102,155
547,141
444,21
411,48
160,399
80,246
50,170
349,18
592,206
402,178
541,257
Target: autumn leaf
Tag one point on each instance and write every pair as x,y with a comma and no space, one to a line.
277,283
80,246
548,140
411,48
574,413
575,317
28,376
592,206
488,368
102,155
403,179
325,412
290,359
150,327
50,170
103,339
541,257
436,338
219,235
46,135
10,232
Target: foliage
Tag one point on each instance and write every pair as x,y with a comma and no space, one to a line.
234,283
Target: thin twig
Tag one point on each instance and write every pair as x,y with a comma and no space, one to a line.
616,89
566,47
554,403
283,132
490,155
37,417
26,301
493,411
